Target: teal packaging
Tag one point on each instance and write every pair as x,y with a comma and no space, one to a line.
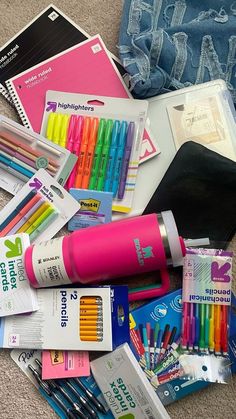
95,208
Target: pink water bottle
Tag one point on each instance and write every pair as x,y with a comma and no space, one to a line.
126,247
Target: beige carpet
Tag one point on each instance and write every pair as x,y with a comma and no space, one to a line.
18,398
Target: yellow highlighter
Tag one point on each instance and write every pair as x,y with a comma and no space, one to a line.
57,128
50,126
33,217
48,211
64,129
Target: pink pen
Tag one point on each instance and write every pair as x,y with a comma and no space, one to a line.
191,328
76,149
185,326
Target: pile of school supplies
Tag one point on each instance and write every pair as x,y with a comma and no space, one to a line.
79,168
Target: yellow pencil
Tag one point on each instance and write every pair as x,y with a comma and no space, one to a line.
90,300
90,312
91,338
91,307
92,318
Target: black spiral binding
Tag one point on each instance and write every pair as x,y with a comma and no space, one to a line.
17,104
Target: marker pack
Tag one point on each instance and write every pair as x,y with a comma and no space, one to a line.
57,400
105,134
95,209
16,295
81,319
23,153
125,387
40,209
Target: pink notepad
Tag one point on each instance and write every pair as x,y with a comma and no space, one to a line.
84,68
65,364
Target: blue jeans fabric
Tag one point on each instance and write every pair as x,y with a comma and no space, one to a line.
170,44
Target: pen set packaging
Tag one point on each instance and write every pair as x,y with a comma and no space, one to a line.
69,398
80,318
16,295
105,134
207,278
40,209
125,387
23,152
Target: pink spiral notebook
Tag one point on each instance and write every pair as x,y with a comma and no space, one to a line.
84,68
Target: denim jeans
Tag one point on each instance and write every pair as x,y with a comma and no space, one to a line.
169,44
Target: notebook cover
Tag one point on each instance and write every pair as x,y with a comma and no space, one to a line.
48,34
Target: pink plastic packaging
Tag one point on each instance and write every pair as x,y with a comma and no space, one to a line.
118,249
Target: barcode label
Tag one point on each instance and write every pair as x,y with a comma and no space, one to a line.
149,413
53,16
96,48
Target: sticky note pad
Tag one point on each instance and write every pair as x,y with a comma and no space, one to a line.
65,364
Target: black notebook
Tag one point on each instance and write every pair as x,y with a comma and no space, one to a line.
50,33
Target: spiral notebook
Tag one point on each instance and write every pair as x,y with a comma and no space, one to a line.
85,68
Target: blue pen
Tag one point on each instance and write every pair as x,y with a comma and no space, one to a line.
197,326
17,167
112,156
18,209
146,347
119,158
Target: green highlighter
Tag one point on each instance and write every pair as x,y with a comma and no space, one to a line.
97,154
105,155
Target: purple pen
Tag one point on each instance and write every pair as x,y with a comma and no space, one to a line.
191,328
125,163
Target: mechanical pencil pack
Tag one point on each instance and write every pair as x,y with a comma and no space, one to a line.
81,319
105,133
23,153
16,294
95,208
40,209
62,398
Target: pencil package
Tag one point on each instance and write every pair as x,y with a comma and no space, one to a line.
69,398
105,134
40,209
86,319
207,278
23,153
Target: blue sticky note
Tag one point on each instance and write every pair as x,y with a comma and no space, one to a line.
96,208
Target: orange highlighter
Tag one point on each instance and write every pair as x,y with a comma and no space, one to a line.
82,154
90,153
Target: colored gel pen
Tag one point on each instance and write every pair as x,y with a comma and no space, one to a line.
126,159
18,167
97,154
119,158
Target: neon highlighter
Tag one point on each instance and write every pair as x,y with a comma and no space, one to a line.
125,163
50,126
75,135
57,128
82,153
105,155
90,152
112,156
20,218
64,130
97,154
71,133
119,158
33,217
17,209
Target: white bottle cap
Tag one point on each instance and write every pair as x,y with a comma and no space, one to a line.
173,238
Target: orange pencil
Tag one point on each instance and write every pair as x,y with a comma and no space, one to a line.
96,317
91,333
91,338
90,153
82,154
91,307
92,328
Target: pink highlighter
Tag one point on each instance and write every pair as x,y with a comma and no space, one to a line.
126,247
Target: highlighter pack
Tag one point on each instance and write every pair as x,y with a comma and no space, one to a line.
80,318
23,152
40,209
105,134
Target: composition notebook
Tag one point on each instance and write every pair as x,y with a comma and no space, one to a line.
50,33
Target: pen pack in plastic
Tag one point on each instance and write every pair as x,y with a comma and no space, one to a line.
105,134
207,277
40,209
56,392
23,152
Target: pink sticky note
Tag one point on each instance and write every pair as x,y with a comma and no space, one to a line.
65,364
